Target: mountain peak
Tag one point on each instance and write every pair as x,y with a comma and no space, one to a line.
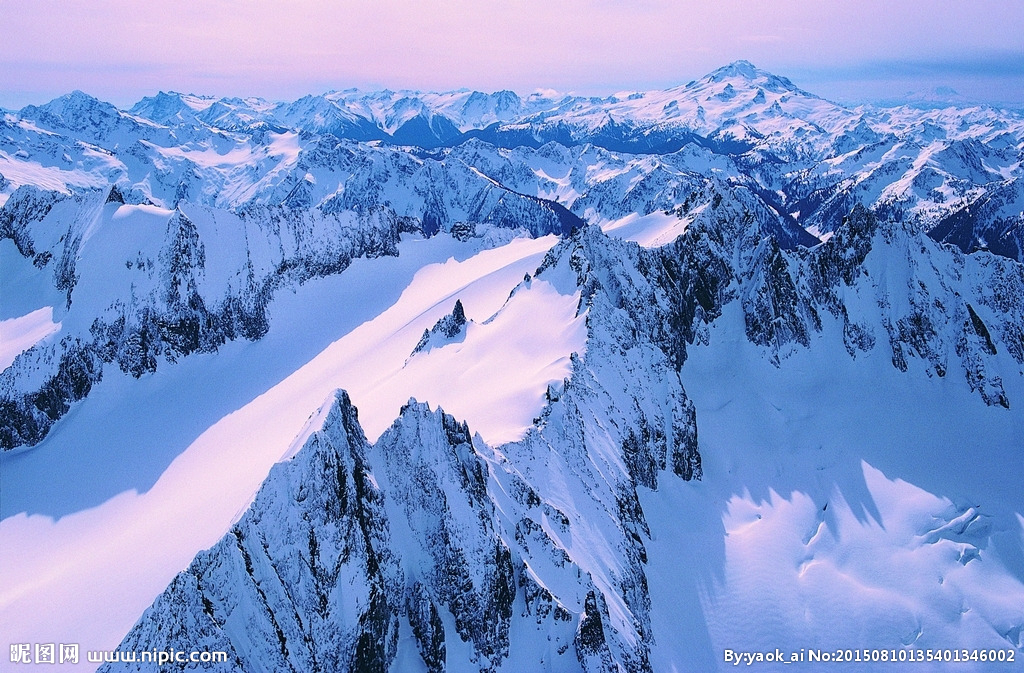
76,111
743,69
747,74
75,99
160,108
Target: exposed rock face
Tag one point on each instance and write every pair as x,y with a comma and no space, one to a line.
445,330
428,532
25,419
305,580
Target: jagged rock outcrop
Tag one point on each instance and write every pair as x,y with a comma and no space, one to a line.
885,284
305,581
59,376
428,532
472,544
447,329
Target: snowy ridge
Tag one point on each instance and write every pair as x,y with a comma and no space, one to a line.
446,330
568,511
195,276
158,465
520,524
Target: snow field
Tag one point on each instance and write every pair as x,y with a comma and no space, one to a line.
818,525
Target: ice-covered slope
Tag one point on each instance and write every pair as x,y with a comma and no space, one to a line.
858,504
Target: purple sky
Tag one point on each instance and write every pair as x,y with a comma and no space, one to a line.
847,50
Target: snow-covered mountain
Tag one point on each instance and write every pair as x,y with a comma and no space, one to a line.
670,354
739,133
551,529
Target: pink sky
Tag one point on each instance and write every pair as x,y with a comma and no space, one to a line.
121,51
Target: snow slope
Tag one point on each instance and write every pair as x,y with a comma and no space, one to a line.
150,530
844,505
17,335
